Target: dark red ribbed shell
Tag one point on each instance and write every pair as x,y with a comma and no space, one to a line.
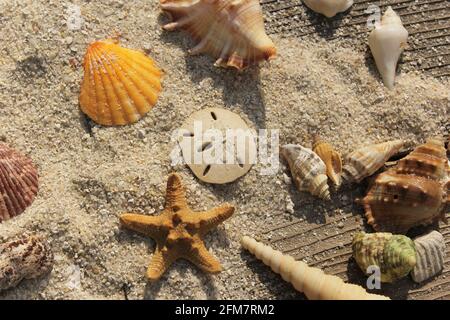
18,182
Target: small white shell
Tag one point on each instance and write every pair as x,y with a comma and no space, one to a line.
387,42
329,8
308,170
430,253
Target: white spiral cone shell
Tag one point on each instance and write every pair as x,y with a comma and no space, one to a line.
313,282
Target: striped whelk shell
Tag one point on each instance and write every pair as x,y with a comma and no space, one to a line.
412,193
430,254
26,257
232,31
329,8
307,169
394,255
365,161
119,86
18,182
330,157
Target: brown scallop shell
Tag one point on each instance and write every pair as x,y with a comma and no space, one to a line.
411,193
18,182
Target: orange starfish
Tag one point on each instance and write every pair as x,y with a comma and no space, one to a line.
178,231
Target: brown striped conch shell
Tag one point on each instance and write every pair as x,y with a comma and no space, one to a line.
331,158
119,86
18,182
329,8
313,282
430,251
27,257
232,31
366,161
387,42
308,170
412,193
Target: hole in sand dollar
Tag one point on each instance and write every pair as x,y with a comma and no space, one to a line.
240,162
205,172
205,146
213,115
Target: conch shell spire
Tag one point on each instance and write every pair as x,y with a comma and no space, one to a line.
387,42
313,282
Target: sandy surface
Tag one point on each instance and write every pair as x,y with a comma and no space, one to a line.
89,174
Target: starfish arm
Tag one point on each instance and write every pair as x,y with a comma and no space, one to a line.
175,193
152,226
201,257
161,261
208,220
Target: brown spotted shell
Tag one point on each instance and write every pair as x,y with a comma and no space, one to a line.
26,257
330,157
18,182
412,193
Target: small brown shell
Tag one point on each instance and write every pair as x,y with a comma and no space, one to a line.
430,254
331,158
18,182
27,257
411,193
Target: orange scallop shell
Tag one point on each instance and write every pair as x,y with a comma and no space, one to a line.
120,85
18,183
412,193
230,30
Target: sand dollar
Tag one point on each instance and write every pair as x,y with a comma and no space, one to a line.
217,145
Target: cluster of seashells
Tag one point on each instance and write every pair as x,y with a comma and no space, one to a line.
396,256
28,256
414,192
311,168
120,86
